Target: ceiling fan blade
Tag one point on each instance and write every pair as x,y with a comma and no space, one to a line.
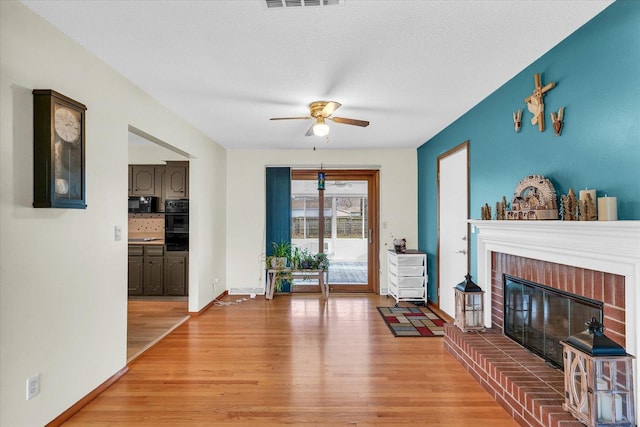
344,120
290,118
330,108
310,131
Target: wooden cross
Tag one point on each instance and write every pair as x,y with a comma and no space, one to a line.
535,103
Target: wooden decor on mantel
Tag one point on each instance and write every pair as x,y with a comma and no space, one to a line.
534,199
535,102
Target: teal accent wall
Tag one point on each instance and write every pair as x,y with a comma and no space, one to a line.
597,76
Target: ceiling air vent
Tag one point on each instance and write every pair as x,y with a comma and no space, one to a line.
302,3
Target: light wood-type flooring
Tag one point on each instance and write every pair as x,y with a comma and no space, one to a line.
148,321
294,360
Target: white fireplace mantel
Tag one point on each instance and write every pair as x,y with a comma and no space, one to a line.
609,246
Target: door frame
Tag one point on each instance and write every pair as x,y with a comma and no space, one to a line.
372,176
454,150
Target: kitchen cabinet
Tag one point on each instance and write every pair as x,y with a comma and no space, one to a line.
407,274
170,181
153,271
135,270
176,270
153,278
176,178
143,182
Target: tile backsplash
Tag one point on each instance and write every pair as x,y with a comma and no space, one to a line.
146,224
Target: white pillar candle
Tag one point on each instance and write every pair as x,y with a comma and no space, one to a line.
607,208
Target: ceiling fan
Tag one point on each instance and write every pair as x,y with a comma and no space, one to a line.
321,111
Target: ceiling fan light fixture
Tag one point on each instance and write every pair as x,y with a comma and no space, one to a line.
320,128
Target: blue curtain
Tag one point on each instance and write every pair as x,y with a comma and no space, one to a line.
278,220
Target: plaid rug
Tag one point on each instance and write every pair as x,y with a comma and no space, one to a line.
412,321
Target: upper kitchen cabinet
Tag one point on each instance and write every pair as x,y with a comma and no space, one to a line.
143,182
170,181
176,180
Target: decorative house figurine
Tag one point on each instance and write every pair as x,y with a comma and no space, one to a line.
598,379
469,302
534,199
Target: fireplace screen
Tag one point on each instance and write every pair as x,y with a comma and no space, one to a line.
539,317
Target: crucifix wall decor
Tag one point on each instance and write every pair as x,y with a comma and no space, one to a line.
535,103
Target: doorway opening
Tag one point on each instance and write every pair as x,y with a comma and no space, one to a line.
158,300
340,221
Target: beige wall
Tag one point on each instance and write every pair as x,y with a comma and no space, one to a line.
63,276
63,296
246,202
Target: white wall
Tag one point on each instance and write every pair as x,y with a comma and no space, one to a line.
246,202
63,296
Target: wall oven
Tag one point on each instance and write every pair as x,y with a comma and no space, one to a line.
176,225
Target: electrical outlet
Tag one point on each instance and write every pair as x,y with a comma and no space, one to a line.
33,386
117,233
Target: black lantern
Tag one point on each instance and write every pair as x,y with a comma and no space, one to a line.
598,379
469,300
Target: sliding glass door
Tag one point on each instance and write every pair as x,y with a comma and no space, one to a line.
340,221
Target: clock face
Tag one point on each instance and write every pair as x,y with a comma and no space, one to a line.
67,124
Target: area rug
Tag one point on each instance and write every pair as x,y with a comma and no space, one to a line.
412,321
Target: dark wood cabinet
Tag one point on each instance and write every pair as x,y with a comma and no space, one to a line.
176,269
153,271
143,182
153,280
176,181
135,273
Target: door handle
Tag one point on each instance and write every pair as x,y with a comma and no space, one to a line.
462,251
370,236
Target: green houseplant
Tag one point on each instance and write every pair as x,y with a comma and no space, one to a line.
280,255
321,261
279,260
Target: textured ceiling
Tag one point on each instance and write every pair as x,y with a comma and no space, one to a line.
409,67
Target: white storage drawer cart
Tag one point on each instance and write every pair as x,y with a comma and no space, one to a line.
407,273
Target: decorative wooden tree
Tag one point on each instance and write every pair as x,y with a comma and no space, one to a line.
570,207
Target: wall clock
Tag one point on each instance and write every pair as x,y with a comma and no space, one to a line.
58,151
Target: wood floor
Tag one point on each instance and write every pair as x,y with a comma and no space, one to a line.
296,360
148,321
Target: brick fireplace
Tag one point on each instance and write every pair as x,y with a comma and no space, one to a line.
596,260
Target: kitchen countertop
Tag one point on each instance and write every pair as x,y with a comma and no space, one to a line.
146,238
143,241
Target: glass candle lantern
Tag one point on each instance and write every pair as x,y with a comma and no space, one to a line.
321,180
598,379
469,303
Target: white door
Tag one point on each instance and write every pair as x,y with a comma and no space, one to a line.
453,212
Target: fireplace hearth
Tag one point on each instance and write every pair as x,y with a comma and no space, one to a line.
538,317
596,260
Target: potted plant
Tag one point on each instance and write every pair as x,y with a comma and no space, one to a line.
279,260
280,255
296,258
321,261
306,259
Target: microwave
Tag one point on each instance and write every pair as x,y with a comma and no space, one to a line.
144,204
